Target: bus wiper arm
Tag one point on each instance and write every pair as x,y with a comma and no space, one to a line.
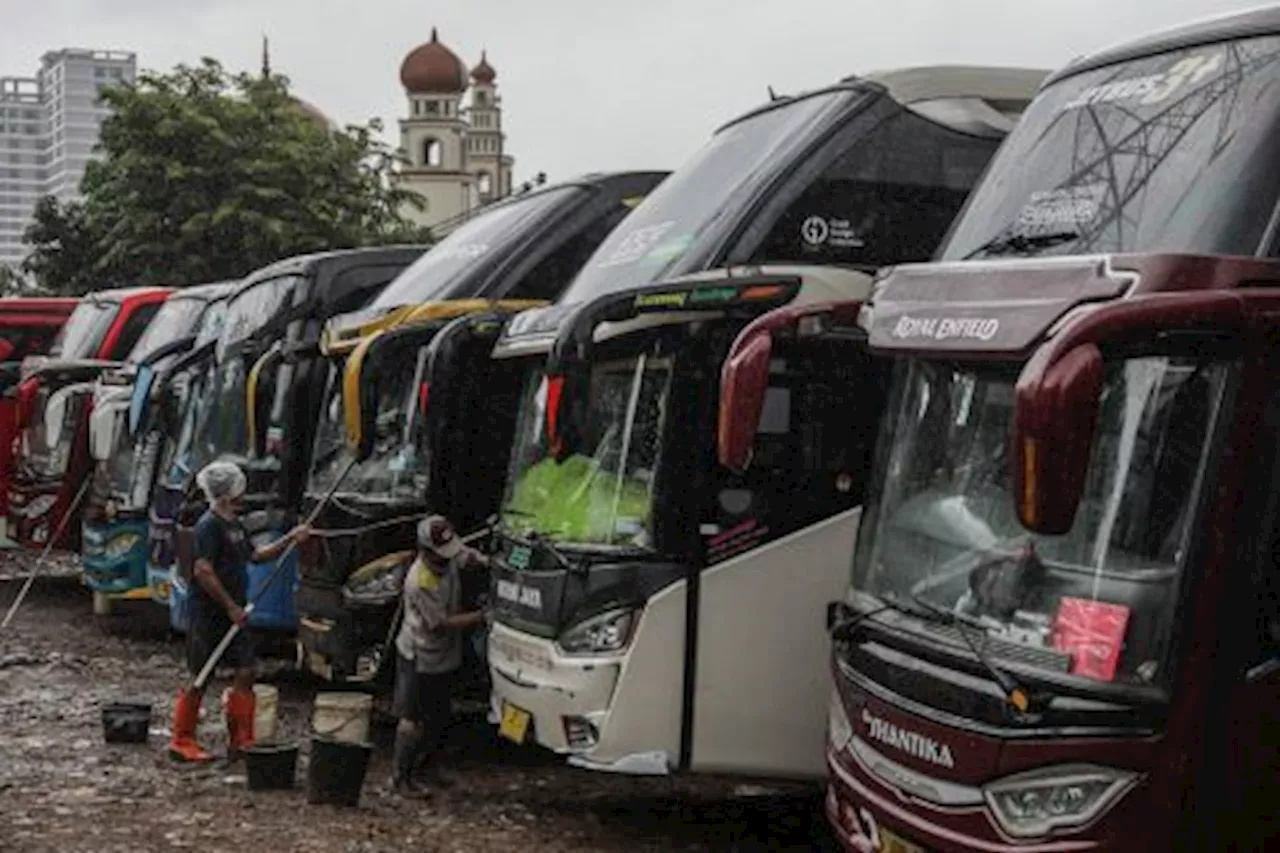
845,629
1021,243
1015,693
545,543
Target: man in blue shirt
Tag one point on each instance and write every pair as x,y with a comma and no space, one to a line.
219,596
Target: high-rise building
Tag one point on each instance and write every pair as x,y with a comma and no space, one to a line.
49,126
455,153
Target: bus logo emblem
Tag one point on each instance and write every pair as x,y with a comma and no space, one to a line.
912,743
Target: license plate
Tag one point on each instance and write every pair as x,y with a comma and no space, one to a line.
893,843
514,725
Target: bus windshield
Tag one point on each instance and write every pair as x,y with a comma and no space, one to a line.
252,308
718,180
603,495
441,273
191,389
398,466
222,429
941,531
84,331
175,319
1173,152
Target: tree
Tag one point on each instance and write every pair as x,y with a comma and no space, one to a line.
65,254
206,176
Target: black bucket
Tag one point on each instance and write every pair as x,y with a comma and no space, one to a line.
271,767
336,772
126,722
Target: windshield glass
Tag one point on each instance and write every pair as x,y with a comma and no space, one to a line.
397,468
211,323
606,497
1172,152
175,319
718,181
222,428
43,458
85,330
192,398
941,527
438,275
120,465
251,309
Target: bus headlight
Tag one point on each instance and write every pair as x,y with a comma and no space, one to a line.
608,632
1034,804
120,545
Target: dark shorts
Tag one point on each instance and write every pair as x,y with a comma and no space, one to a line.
420,696
203,637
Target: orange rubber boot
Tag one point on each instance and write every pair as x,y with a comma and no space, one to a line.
186,716
241,707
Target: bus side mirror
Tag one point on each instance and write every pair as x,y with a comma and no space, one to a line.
744,381
143,382
55,413
1055,413
104,424
838,612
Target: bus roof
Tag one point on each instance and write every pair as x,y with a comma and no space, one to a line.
935,82
1240,25
1009,87
38,304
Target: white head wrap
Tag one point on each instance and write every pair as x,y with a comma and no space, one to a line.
221,480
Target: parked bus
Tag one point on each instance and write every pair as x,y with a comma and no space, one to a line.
114,525
262,404
1061,627
645,597
414,396
172,410
27,328
54,398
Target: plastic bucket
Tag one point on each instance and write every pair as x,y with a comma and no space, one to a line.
272,767
342,717
126,722
266,700
336,772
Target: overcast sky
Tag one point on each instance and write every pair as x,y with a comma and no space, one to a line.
588,84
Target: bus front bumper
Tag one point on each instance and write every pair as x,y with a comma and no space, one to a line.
541,694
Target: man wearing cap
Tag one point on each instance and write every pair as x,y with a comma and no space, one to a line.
429,649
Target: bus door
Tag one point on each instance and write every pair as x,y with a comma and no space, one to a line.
778,545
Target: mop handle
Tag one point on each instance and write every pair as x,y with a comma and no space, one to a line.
35,570
221,649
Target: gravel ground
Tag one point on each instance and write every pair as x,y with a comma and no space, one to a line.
63,789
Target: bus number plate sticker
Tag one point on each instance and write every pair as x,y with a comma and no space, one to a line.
518,558
515,723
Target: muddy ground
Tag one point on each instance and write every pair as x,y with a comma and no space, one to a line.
63,789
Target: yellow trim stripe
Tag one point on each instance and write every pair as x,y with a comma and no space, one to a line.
251,395
407,317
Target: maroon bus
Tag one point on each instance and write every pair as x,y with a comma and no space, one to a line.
1062,630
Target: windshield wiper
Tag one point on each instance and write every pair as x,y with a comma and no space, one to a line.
1021,243
544,542
1018,696
843,631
